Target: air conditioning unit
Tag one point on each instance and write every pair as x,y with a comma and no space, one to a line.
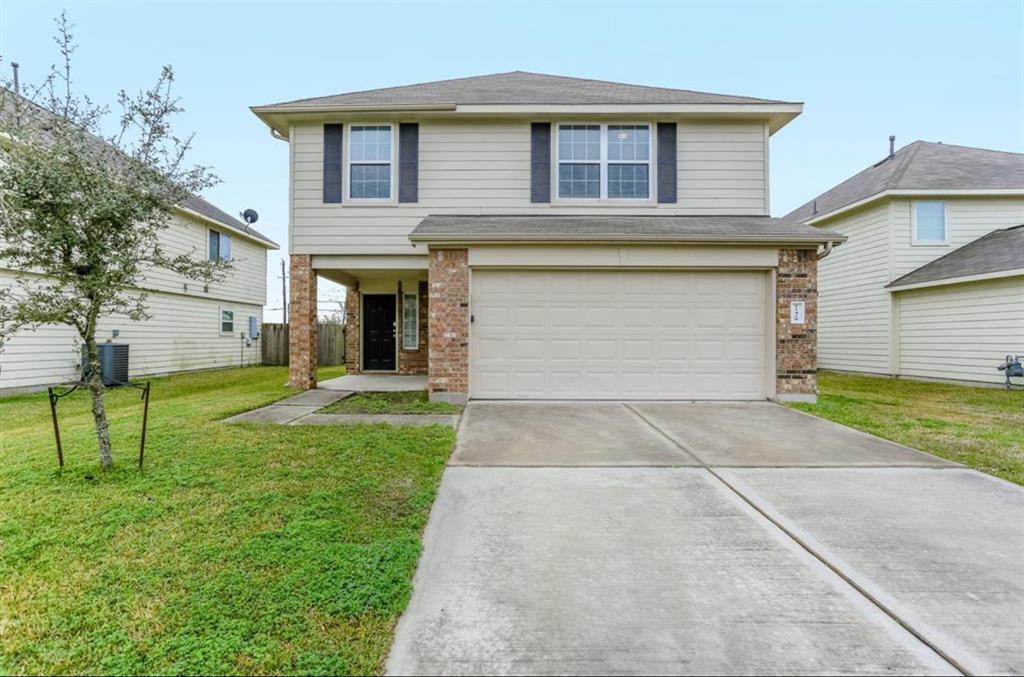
113,363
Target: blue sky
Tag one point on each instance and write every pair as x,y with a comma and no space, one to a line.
938,71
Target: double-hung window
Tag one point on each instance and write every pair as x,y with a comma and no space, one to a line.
929,223
227,321
369,162
604,161
220,246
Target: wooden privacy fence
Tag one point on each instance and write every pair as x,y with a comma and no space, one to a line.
330,343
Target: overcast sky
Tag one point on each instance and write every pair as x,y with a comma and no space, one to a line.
938,71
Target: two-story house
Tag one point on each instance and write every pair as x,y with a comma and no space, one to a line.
519,236
191,326
931,281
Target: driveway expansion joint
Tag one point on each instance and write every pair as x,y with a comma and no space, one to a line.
805,546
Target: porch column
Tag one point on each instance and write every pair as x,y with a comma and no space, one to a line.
302,323
448,371
353,360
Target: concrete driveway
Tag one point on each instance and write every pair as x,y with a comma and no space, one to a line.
662,538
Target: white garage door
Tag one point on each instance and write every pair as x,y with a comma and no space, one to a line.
618,335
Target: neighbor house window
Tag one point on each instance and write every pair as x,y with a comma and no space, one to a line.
227,321
220,246
930,222
410,321
604,161
369,162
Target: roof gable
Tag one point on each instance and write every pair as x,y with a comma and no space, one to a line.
519,87
922,165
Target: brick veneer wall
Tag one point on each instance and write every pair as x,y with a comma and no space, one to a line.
302,357
796,344
414,361
352,312
449,324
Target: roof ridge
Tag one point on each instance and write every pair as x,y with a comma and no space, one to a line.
909,160
410,84
959,145
658,87
534,73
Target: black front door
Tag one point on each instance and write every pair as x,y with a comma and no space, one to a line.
379,332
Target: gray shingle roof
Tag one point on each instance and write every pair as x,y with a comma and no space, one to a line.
612,228
519,87
999,251
193,202
923,166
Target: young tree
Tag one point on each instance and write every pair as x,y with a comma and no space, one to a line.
81,213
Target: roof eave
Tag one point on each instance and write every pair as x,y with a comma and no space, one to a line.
266,243
555,238
914,192
961,279
278,117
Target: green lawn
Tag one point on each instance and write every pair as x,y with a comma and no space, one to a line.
239,549
415,402
980,427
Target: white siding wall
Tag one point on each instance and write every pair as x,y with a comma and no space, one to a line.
247,282
183,334
961,331
967,219
853,306
484,167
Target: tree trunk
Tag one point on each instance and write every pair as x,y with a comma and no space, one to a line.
99,411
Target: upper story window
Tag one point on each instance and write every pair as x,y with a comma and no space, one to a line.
220,246
929,222
601,161
369,162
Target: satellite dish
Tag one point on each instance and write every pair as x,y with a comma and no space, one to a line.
250,216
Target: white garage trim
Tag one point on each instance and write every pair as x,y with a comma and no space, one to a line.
576,256
622,334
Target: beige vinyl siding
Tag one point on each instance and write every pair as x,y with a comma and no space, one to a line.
853,305
967,219
183,334
245,283
483,167
961,331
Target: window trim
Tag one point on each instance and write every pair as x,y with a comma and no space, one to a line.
416,332
220,234
652,164
346,173
914,241
220,321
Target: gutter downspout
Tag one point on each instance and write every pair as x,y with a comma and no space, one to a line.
828,250
278,135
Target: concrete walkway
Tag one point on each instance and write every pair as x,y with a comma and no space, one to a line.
696,538
375,383
302,409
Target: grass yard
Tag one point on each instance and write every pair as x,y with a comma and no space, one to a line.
238,549
414,402
983,428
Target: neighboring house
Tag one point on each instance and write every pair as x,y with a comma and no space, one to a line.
193,326
931,281
533,236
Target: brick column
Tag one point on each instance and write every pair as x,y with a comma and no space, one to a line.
353,360
448,371
796,345
302,323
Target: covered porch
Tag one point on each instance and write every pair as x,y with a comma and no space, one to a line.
386,317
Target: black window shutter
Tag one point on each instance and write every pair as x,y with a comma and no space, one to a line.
667,179
540,162
332,162
408,161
